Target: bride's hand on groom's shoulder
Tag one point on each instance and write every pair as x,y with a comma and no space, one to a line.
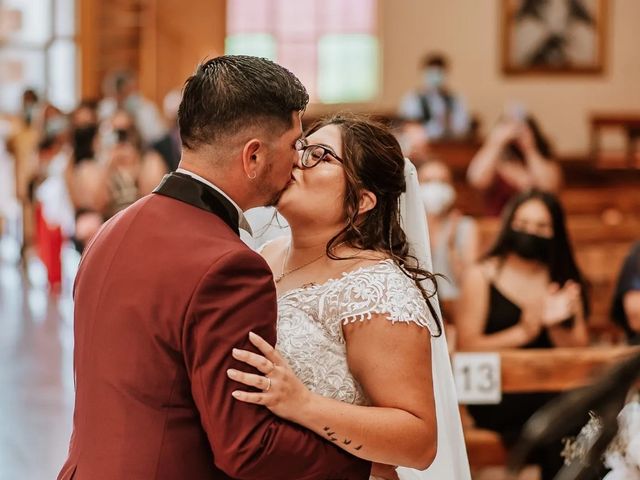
278,387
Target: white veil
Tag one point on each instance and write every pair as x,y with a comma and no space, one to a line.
451,458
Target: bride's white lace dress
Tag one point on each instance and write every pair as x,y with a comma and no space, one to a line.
310,337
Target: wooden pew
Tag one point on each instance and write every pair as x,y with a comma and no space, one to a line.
624,198
617,204
456,154
547,370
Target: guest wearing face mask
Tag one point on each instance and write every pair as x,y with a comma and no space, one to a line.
527,292
441,112
454,237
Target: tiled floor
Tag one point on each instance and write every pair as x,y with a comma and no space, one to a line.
36,377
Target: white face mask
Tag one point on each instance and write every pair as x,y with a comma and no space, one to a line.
434,77
437,196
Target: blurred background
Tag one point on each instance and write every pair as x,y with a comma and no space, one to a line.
488,98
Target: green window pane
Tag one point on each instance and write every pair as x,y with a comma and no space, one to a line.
256,44
348,68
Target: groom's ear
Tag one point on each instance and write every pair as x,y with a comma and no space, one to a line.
251,153
368,201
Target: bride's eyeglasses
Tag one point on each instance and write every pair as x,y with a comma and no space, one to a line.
312,155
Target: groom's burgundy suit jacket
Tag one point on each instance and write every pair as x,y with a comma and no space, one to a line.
163,293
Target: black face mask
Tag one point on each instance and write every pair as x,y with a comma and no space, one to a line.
526,245
122,135
83,142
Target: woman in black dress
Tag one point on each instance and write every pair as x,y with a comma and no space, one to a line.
527,292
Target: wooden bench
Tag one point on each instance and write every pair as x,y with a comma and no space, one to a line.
547,370
623,198
456,154
614,203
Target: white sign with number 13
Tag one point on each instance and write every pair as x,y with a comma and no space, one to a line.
477,378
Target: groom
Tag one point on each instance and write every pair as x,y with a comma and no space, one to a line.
166,289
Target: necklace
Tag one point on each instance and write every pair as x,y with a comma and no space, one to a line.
286,257
287,272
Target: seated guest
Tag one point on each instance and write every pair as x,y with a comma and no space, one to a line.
454,237
441,112
626,298
515,158
527,292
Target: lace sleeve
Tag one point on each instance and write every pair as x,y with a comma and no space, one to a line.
384,290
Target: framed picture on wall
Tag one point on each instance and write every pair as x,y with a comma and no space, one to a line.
553,36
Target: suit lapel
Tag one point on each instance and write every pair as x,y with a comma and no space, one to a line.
189,190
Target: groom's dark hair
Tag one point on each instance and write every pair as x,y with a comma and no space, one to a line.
231,92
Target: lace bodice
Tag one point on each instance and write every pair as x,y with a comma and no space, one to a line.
311,319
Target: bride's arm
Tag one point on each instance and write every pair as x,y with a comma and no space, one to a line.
392,363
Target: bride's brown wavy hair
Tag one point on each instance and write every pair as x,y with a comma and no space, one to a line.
373,161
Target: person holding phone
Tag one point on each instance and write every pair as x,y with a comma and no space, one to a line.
515,157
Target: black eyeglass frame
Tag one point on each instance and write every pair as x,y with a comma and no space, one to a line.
308,160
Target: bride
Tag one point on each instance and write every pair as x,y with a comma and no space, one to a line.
361,359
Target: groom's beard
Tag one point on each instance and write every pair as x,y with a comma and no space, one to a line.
275,199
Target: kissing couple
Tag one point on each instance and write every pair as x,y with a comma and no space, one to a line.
321,357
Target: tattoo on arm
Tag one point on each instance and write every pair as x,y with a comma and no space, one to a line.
333,438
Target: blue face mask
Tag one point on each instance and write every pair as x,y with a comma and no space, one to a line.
434,77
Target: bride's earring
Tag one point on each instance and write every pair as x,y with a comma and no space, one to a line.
253,176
